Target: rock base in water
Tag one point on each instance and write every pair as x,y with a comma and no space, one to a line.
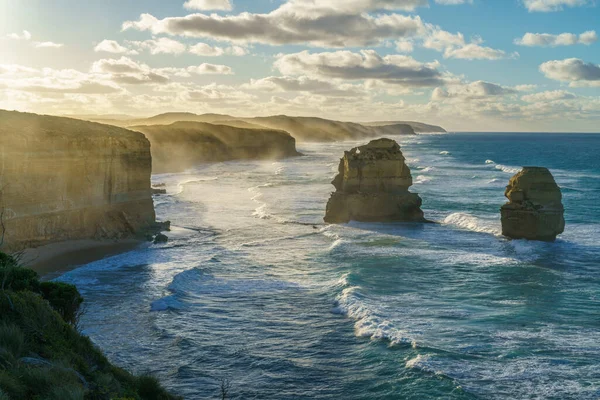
535,209
372,186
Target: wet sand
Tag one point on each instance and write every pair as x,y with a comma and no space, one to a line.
53,260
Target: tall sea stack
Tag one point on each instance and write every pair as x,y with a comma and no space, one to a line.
535,210
372,186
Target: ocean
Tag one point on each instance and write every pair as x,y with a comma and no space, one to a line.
255,290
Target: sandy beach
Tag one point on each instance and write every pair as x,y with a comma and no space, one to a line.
54,259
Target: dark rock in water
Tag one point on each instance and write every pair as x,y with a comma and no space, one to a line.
158,192
161,238
535,210
372,186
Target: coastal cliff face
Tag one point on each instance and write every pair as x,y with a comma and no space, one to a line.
372,186
535,210
65,179
183,145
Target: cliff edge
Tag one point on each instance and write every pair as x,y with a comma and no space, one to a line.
65,179
183,145
372,186
535,210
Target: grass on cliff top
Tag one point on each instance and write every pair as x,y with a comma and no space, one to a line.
44,357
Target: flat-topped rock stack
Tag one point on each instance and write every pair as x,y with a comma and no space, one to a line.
535,210
372,186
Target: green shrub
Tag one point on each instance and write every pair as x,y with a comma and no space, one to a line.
3,396
64,298
17,279
12,343
36,321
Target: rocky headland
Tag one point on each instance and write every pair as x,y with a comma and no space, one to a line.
307,129
372,186
182,145
535,210
64,179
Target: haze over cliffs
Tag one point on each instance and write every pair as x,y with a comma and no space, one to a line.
302,128
65,179
182,145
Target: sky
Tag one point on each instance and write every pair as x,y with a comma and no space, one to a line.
468,65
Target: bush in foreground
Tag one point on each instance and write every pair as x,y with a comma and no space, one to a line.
43,356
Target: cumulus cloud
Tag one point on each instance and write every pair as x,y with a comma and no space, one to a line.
211,69
551,95
51,45
366,65
573,70
25,35
326,24
49,80
563,39
208,5
126,71
206,50
478,90
112,46
552,5
454,45
304,84
161,46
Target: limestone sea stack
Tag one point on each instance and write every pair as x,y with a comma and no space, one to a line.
535,210
372,186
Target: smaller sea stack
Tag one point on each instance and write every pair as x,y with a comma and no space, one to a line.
372,186
535,210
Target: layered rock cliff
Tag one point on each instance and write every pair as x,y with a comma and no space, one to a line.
183,145
372,186
535,210
65,179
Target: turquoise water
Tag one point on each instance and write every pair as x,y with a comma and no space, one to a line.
254,288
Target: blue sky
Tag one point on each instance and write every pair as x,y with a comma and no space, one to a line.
480,65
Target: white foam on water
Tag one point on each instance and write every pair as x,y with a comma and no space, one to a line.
368,323
422,179
472,223
444,153
506,168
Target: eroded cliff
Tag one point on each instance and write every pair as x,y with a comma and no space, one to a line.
183,145
66,179
372,186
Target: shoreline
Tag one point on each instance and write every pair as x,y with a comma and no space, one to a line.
52,260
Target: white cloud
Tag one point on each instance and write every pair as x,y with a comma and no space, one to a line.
208,5
160,46
25,35
552,5
478,90
211,69
563,39
51,45
126,71
573,70
346,65
455,46
548,96
206,50
404,46
526,88
286,84
296,22
112,46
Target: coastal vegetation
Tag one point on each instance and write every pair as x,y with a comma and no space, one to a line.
42,353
